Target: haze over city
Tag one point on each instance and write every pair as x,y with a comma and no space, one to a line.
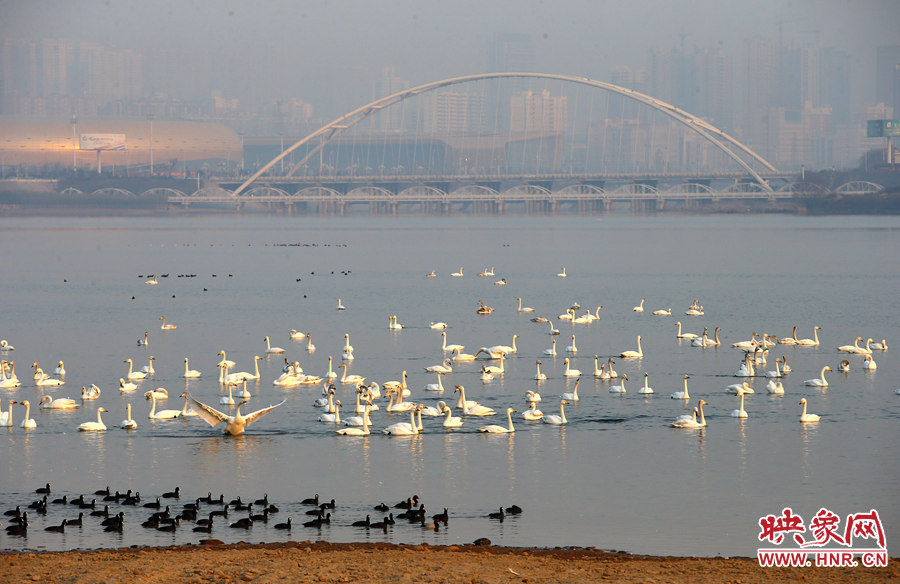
327,58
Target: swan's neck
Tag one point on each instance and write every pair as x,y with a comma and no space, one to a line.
99,421
509,417
702,419
686,390
562,411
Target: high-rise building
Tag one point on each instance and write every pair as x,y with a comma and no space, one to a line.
887,60
390,119
537,112
835,83
448,112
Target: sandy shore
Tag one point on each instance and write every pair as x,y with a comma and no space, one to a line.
395,564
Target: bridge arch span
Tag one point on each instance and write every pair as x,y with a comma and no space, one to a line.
859,187
722,141
419,192
266,192
163,192
371,191
475,192
319,192
579,189
529,191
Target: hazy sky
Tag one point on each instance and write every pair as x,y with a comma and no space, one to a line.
327,52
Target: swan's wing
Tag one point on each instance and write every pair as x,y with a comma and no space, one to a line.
252,417
210,415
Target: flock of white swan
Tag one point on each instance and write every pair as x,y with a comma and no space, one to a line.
399,394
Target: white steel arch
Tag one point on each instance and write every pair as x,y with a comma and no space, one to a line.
419,192
475,192
338,126
529,191
859,187
580,189
317,191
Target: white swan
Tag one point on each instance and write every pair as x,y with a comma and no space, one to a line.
539,376
38,372
740,412
463,403
270,349
125,386
335,417
393,324
633,354
572,348
532,413
167,327
438,325
819,381
869,363
691,422
569,371
775,387
813,342
599,370
6,417
92,393
190,373
694,311
791,340
5,346
134,374
353,431
596,315
445,367
610,372
310,347
226,400
445,347
882,346
363,411
97,426
10,380
493,369
553,331
682,394
562,274
162,414
340,305
244,375
785,368
28,421
148,368
400,406
451,421
497,351
145,342
751,344
457,274
804,417
639,307
619,388
331,373
854,348
495,429
296,335
746,369
404,428
777,372
486,375
394,385
62,403
234,425
573,395
475,410
646,389
554,419
61,369
439,386
355,379
152,281
738,388
525,308
680,335
662,312
532,396
128,423
45,381
225,360
552,350
459,357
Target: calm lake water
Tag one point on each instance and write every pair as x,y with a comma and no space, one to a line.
617,476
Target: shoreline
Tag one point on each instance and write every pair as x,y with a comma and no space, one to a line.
307,561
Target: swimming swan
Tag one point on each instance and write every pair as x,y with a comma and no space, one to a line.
134,374
447,347
619,388
162,414
680,335
128,423
634,354
495,429
532,413
804,417
28,421
691,422
740,412
62,403
646,389
190,373
97,426
819,381
167,327
554,419
682,394
234,425
569,372
270,349
813,342
356,379
524,309
639,307
573,396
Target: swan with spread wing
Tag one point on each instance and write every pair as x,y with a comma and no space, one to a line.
234,425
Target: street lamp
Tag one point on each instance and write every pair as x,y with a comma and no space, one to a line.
150,119
74,144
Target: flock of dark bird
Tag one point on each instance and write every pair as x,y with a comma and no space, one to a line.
108,508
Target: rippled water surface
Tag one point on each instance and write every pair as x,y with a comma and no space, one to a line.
617,476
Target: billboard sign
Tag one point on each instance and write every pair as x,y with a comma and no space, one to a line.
102,142
883,128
